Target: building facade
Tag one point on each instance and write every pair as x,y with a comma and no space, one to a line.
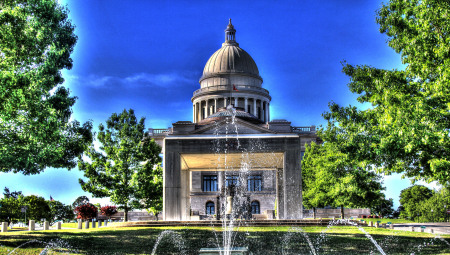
232,158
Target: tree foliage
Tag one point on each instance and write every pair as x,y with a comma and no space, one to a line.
86,211
108,210
36,40
406,129
383,207
10,206
410,199
126,168
60,211
38,208
331,178
81,200
434,209
14,194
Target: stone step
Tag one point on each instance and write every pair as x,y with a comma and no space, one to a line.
216,223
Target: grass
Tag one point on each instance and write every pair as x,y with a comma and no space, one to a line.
69,225
259,240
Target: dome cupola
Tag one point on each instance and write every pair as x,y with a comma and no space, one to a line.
230,59
231,78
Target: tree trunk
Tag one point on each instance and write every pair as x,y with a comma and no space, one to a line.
125,214
314,213
342,212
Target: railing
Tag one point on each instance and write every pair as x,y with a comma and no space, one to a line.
303,129
159,131
227,88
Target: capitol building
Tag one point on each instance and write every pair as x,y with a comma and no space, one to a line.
232,146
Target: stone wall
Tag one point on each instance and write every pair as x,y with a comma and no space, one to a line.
336,213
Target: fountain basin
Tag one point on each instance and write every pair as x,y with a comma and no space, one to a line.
233,250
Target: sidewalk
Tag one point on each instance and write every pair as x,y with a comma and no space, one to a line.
438,227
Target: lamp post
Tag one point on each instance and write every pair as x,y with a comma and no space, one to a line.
445,213
24,210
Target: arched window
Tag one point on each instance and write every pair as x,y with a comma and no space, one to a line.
255,207
210,208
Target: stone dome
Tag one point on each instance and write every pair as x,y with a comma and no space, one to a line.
230,59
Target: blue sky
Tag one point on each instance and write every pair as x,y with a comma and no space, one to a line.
149,56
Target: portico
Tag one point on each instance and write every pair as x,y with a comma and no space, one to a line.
278,161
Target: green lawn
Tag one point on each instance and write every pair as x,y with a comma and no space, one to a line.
69,225
259,240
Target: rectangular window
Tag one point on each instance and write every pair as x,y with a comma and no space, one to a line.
254,183
231,180
209,183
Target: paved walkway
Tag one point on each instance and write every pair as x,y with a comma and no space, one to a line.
438,227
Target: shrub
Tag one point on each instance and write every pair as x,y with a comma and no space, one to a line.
86,211
108,210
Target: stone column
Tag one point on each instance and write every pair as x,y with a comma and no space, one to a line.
292,193
199,111
4,227
266,112
235,102
86,224
215,105
93,224
106,223
193,113
58,225
262,110
99,223
172,181
31,225
207,109
80,224
225,102
46,225
246,104
255,111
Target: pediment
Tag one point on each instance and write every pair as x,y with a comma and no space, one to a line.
227,126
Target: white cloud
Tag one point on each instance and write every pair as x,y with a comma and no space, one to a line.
140,79
97,81
157,79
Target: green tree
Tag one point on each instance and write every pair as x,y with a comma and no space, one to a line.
330,177
126,168
10,206
14,194
36,40
38,208
410,200
435,208
81,200
406,128
383,207
60,211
